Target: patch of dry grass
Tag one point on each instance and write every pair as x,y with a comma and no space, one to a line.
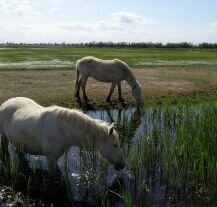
57,86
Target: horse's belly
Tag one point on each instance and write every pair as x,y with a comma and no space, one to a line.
103,78
28,143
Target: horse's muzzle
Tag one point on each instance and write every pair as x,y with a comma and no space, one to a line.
119,166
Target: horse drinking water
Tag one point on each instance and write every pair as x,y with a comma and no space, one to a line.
50,131
113,71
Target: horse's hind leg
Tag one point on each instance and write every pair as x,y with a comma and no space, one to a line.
77,92
119,92
111,91
83,86
4,148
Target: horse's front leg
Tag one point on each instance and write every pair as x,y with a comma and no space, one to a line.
111,91
119,92
52,165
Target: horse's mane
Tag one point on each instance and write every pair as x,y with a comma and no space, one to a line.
88,125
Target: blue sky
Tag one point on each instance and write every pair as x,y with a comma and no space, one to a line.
93,20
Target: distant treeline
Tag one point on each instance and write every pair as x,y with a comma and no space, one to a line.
203,45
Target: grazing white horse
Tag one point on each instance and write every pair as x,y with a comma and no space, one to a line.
50,131
113,71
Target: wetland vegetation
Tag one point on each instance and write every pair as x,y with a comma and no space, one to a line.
171,159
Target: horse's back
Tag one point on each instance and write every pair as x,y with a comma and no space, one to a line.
9,107
17,103
93,62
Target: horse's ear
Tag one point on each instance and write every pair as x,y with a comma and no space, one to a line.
111,129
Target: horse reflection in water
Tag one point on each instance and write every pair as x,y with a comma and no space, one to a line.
133,122
50,131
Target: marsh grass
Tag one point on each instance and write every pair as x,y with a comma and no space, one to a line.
170,154
179,153
67,184
30,185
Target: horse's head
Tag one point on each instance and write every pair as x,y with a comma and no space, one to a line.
109,148
137,93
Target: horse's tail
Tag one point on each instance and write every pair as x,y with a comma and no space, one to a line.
1,122
77,78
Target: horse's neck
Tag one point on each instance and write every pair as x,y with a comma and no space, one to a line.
84,131
131,80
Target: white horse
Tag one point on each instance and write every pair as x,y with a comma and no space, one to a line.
113,71
50,131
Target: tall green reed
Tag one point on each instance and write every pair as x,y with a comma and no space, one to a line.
179,150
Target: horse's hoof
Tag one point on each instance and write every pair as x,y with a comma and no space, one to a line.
121,99
77,98
86,99
108,100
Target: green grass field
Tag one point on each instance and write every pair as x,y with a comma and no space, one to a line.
134,57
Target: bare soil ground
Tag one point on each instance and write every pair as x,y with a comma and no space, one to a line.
57,86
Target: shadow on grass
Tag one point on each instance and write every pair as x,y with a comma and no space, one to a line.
91,105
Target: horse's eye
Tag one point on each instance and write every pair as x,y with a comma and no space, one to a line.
115,145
